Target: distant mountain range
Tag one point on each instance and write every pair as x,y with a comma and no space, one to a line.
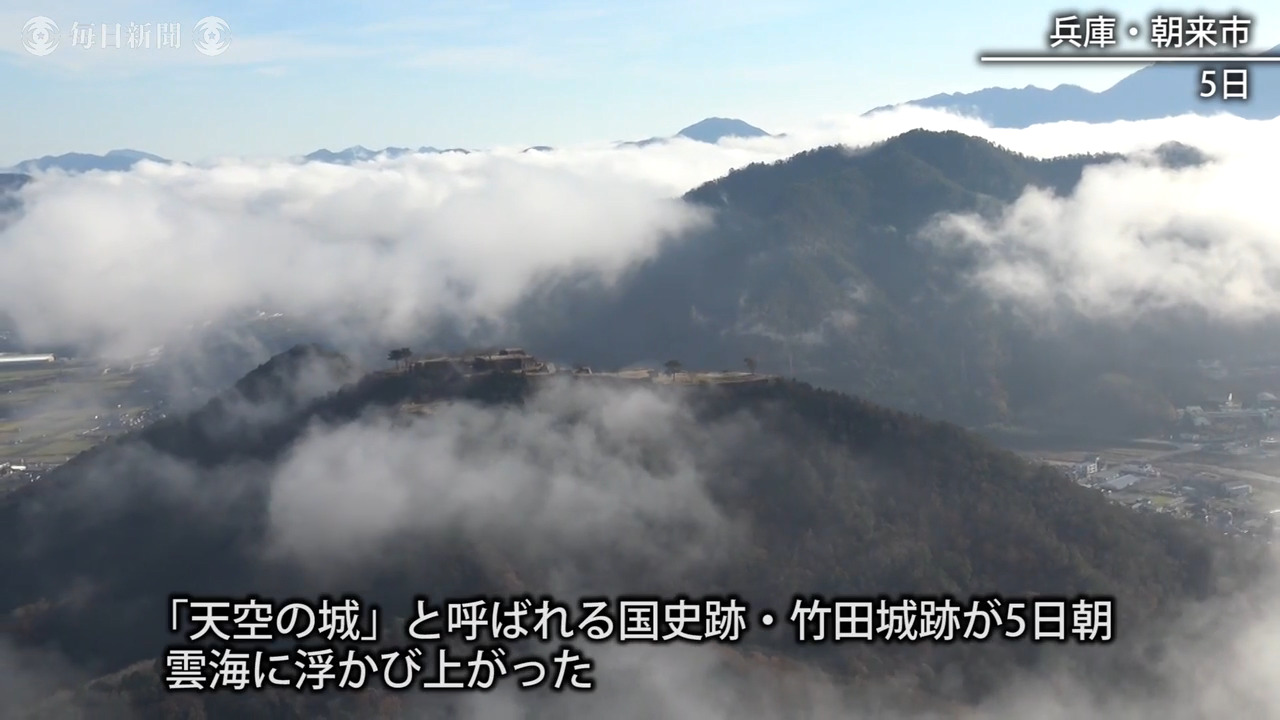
84,162
1155,91
711,130
360,153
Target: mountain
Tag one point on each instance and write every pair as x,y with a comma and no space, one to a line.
115,160
710,130
822,267
359,153
1156,91
713,130
405,484
10,184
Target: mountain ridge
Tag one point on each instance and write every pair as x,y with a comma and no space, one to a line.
822,266
1155,91
920,506
707,130
74,162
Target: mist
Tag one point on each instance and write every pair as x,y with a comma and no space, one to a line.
578,486
1136,238
579,480
128,261
123,262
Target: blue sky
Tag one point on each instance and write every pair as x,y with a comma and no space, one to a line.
298,76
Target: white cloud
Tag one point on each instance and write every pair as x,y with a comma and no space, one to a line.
129,259
1135,237
579,475
135,257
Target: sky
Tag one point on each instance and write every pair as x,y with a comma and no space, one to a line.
131,260
297,77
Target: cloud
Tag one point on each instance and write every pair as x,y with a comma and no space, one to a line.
1135,237
1218,660
132,259
580,481
127,261
578,477
28,676
136,258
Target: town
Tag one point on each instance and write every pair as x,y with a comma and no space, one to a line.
1220,465
51,409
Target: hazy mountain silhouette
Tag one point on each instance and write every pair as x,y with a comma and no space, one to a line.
1155,91
359,153
713,130
10,184
710,130
13,181
114,160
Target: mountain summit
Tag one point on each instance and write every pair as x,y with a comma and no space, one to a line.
822,267
713,130
710,130
816,491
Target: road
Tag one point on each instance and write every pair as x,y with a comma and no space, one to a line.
1244,474
1182,449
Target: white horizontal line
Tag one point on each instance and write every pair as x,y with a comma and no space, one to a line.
1204,59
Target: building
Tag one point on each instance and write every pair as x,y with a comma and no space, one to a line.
506,360
503,360
1120,482
1085,469
1240,490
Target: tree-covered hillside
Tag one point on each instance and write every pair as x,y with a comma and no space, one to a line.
509,484
827,267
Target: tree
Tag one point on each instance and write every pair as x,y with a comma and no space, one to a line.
751,364
400,356
673,367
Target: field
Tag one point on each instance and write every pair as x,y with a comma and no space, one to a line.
50,413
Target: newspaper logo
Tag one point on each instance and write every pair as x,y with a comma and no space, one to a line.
213,36
40,36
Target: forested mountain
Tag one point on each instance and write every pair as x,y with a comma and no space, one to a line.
822,267
508,484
